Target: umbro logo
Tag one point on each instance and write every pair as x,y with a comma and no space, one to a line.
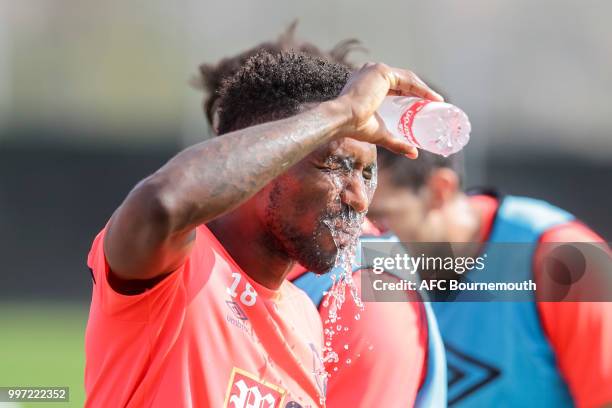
466,374
235,308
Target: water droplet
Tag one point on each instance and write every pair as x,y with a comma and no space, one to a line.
342,278
346,347
348,361
357,316
370,347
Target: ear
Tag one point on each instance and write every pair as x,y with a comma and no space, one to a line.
214,120
443,184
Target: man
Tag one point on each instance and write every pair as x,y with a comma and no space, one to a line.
190,306
501,353
364,374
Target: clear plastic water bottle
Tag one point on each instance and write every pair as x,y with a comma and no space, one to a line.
437,127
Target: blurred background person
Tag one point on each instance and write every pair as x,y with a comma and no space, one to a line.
510,353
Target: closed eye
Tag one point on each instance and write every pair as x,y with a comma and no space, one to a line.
368,172
336,163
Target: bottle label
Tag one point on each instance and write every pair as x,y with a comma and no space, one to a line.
407,119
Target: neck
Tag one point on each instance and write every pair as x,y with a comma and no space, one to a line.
465,224
461,222
243,238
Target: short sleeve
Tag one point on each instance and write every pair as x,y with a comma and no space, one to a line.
129,307
580,333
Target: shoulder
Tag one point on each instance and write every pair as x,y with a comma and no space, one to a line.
572,231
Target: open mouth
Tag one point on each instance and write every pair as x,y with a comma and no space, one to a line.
343,234
344,227
344,238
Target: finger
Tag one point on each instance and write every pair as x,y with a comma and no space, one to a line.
407,83
399,146
390,142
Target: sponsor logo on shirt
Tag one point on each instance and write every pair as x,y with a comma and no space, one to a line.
245,390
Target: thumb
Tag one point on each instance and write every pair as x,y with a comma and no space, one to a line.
398,146
394,144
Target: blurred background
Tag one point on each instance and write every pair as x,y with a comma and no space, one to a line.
94,96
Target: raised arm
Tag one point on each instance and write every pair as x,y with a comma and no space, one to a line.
151,233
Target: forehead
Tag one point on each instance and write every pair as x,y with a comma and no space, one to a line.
362,153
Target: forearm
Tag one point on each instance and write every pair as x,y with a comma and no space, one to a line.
152,231
213,177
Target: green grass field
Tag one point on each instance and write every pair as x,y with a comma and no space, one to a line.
43,345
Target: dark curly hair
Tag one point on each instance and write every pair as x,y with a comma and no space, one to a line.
272,87
211,76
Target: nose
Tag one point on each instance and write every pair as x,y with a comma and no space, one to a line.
356,195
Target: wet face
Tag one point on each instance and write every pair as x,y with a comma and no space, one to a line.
317,206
